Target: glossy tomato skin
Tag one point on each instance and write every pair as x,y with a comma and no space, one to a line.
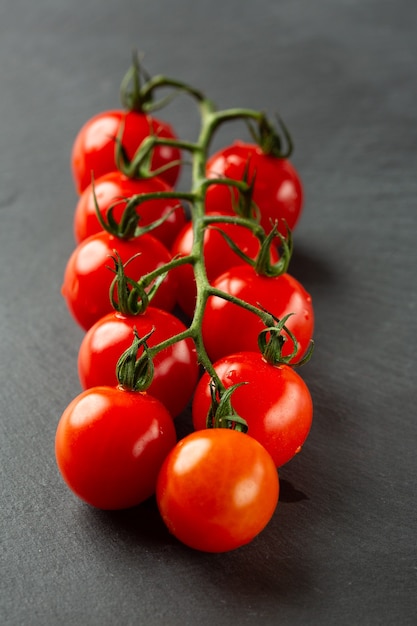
176,368
114,187
278,191
275,402
110,445
217,489
218,256
228,328
94,146
87,276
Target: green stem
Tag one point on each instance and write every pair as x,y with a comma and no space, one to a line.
241,185
211,119
148,278
158,195
261,313
220,117
236,220
150,142
156,82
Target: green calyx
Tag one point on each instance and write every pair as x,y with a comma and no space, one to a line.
263,264
140,164
137,89
273,338
136,373
275,142
221,413
128,226
125,229
131,95
243,205
128,296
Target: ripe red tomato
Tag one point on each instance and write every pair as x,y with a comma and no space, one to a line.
218,256
110,445
115,187
176,367
87,276
277,190
217,490
94,146
228,328
276,402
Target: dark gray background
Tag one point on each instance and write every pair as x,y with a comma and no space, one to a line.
341,548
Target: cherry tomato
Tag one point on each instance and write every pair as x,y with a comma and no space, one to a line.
277,190
218,256
217,489
94,147
87,276
227,328
112,189
176,367
275,402
110,445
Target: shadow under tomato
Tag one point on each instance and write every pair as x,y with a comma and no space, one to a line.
288,493
139,525
272,565
252,574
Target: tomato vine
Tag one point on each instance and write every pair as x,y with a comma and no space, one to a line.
256,301
267,136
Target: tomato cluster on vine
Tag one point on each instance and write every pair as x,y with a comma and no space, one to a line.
186,301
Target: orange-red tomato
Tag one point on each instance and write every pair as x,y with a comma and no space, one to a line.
110,445
217,489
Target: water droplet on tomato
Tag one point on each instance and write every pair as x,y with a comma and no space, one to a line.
231,375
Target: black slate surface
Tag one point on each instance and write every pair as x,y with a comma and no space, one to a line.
341,548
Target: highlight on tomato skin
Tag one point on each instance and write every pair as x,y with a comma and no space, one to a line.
274,401
110,444
94,148
217,490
